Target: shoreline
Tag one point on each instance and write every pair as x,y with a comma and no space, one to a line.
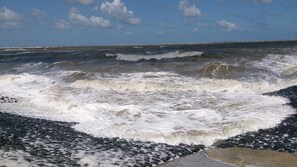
253,157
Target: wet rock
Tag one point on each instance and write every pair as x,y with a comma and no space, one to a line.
5,99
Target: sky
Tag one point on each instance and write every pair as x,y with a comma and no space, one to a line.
114,22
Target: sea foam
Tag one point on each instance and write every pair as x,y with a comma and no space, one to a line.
149,106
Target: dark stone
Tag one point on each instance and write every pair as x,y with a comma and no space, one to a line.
4,99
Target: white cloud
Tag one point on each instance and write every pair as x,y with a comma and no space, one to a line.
61,24
9,15
118,10
9,19
84,2
38,13
97,22
189,11
195,30
229,26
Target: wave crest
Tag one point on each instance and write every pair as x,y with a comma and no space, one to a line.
222,69
169,55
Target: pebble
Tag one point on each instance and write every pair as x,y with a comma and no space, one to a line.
5,99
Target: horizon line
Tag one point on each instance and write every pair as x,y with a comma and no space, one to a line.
157,44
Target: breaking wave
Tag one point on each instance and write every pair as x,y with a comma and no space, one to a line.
280,64
169,55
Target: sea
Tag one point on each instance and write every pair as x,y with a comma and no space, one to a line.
137,105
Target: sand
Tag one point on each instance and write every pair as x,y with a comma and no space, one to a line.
248,157
196,160
242,157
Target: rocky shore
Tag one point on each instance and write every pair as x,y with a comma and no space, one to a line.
281,138
47,143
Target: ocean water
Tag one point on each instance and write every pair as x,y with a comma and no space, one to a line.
191,94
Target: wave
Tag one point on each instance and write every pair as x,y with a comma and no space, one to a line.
31,67
149,106
65,63
169,55
72,76
280,64
222,69
167,81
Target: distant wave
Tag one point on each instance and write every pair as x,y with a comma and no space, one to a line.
14,49
169,55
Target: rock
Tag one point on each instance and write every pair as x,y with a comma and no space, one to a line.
5,99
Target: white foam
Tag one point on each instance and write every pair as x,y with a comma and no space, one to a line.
154,106
169,55
166,81
283,65
213,109
32,67
17,159
101,159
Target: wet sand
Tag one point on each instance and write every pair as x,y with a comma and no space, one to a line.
242,157
251,157
196,160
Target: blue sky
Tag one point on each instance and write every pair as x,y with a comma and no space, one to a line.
109,22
